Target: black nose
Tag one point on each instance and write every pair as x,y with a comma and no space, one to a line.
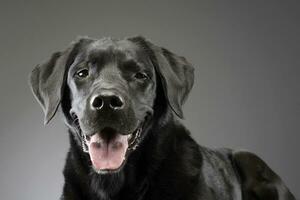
111,101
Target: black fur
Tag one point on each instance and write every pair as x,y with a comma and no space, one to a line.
168,164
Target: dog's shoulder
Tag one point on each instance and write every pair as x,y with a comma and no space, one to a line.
258,180
183,150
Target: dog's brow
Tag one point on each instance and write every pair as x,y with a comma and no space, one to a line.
76,65
130,65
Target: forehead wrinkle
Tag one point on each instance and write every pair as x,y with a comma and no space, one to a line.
110,75
105,51
101,57
134,53
110,71
105,54
128,48
99,49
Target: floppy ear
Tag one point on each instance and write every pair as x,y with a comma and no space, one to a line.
47,80
176,73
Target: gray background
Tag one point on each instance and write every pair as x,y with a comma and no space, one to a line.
246,93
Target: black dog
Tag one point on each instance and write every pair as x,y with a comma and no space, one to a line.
121,100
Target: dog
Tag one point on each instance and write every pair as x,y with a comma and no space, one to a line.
122,103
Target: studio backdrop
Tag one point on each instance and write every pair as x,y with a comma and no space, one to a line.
246,93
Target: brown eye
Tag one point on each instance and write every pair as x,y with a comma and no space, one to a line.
82,73
141,76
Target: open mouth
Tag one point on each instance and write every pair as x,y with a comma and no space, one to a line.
108,150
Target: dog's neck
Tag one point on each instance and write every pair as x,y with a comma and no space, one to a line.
141,164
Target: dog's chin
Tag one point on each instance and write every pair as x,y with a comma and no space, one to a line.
108,149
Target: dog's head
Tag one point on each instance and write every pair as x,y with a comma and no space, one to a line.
108,89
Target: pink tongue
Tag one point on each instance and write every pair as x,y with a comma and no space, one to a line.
107,155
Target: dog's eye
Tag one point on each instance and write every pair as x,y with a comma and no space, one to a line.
82,73
141,76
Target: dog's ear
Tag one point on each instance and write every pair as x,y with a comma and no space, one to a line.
176,73
47,79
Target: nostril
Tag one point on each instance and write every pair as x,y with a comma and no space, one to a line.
116,102
97,103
